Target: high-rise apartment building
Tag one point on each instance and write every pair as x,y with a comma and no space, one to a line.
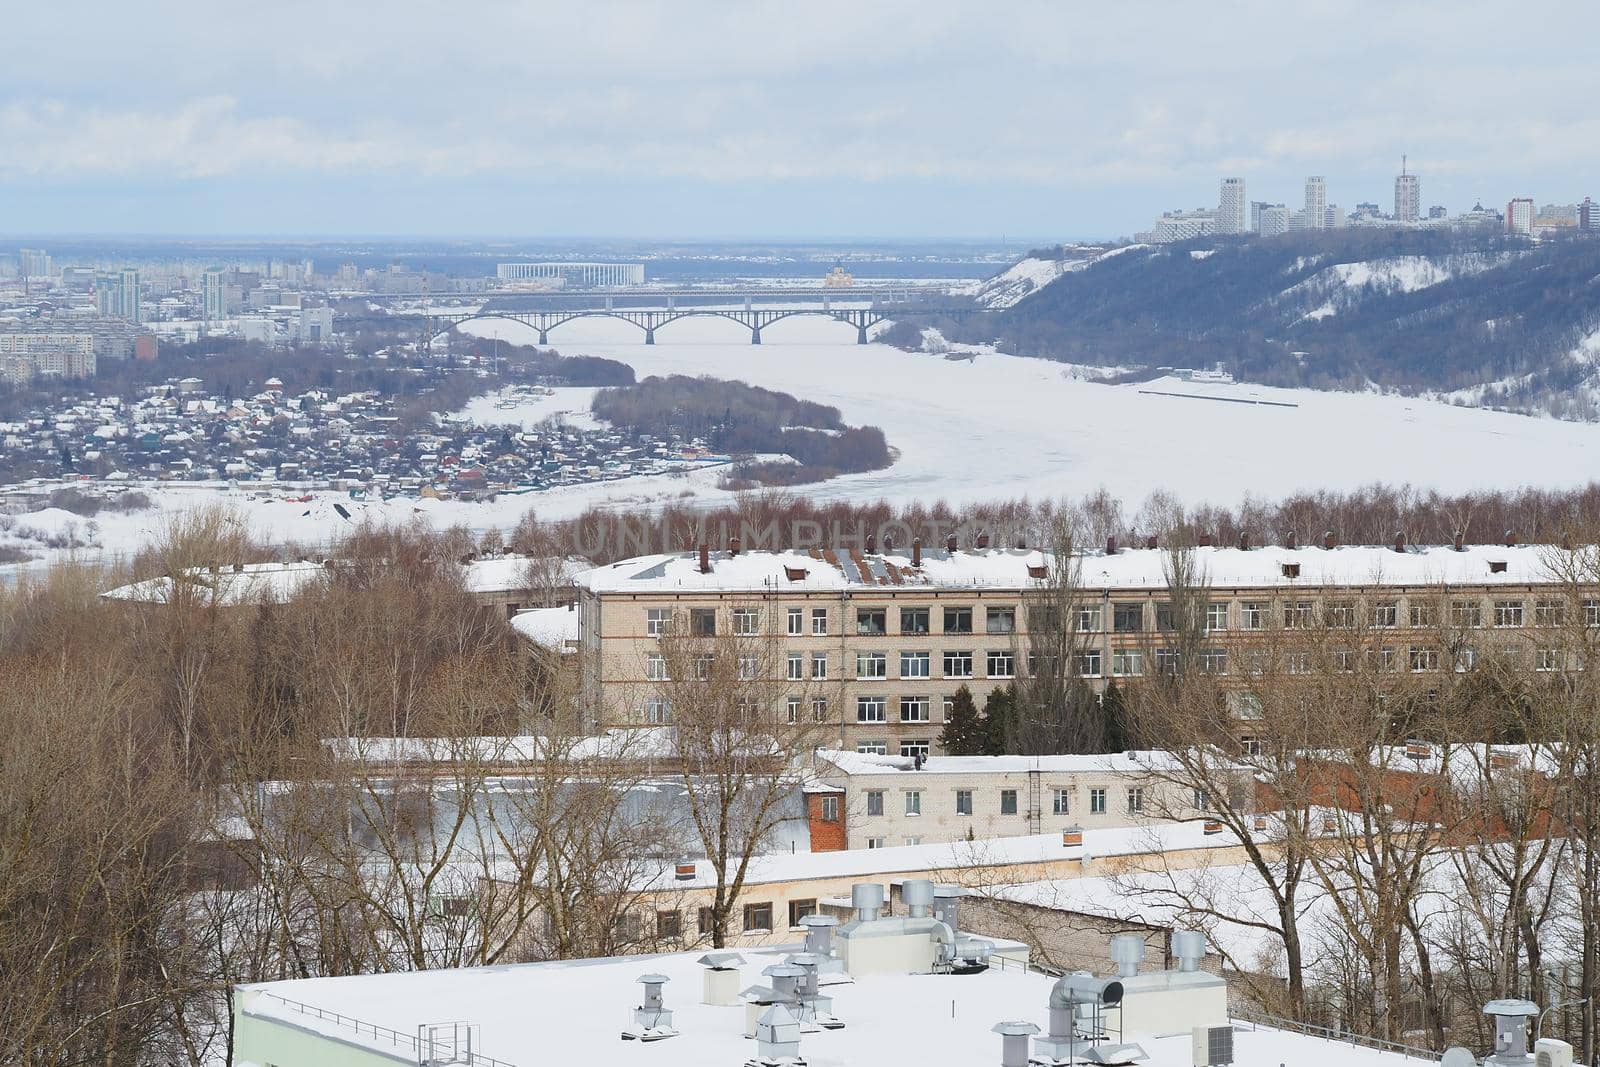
1589,216
214,294
117,295
35,263
1274,220
1407,195
1316,203
1231,207
1519,215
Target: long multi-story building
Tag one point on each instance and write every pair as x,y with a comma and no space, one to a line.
25,354
589,275
1519,215
878,644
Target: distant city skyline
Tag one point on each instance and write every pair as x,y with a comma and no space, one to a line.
924,120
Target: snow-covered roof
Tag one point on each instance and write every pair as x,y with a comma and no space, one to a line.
854,763
1351,566
634,743
552,628
573,1011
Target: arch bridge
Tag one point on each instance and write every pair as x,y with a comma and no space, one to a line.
649,320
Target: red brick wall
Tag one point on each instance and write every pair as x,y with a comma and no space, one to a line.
825,836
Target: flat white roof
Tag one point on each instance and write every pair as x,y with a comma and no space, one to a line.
573,1012
854,763
1140,569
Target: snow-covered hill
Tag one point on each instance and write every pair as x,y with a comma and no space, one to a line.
1034,273
1336,288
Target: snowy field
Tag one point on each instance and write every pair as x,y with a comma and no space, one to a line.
987,427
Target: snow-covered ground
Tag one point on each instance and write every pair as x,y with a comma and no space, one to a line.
1029,275
968,430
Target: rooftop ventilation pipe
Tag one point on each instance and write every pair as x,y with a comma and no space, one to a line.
1244,542
983,541
778,1035
733,546
1111,546
1070,993
1291,540
867,899
651,1020
888,543
1014,1042
1329,541
819,934
1400,541
705,558
947,906
1511,539
786,978
1189,947
1460,543
1510,1031
872,543
1127,952
916,552
950,544
917,896
1151,541
720,981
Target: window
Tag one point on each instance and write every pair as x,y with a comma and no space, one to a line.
1008,802
819,621
1202,801
1097,802
749,667
1217,615
1466,658
1253,615
913,709
958,664
1127,662
911,840
913,802
655,667
914,665
669,925
958,620
1387,659
1250,745
1214,660
703,622
1341,614
1591,612
1061,802
799,909
872,665
874,802
1087,662
796,622
1508,613
746,621
702,666
1549,613
705,921
1089,619
1135,799
916,749
1166,618
656,621
1127,618
793,707
1002,663
872,621
819,665
1000,621
1547,659
1297,615
796,663
1344,660
963,802
1044,618
1385,614
819,709
874,842
871,709
830,809
1466,613
657,712
758,918
914,620
872,748
1168,660
1424,616
1423,658
1297,662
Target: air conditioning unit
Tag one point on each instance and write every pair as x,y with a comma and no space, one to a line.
1548,1052
1213,1046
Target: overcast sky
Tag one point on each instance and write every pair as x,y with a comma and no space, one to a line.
866,119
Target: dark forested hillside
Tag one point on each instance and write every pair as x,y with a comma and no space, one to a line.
1502,319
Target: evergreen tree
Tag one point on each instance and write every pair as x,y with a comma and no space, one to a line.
963,731
1114,719
1000,721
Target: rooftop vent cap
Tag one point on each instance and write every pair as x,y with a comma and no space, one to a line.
867,899
1189,948
950,544
1111,546
916,552
1329,541
721,961
1291,570
1127,952
1497,566
1400,541
917,895
1511,539
1014,1041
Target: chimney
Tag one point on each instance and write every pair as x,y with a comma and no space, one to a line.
238,568
916,552
1111,546
1511,539
1022,543
1150,542
872,543
1205,540
950,544
888,543
1400,541
1291,540
1244,542
705,558
733,546
983,540
1460,542
1328,540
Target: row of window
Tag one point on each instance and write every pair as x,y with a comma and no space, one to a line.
1061,802
1131,617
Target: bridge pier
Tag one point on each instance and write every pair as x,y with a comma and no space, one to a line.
755,335
544,337
650,335
861,335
